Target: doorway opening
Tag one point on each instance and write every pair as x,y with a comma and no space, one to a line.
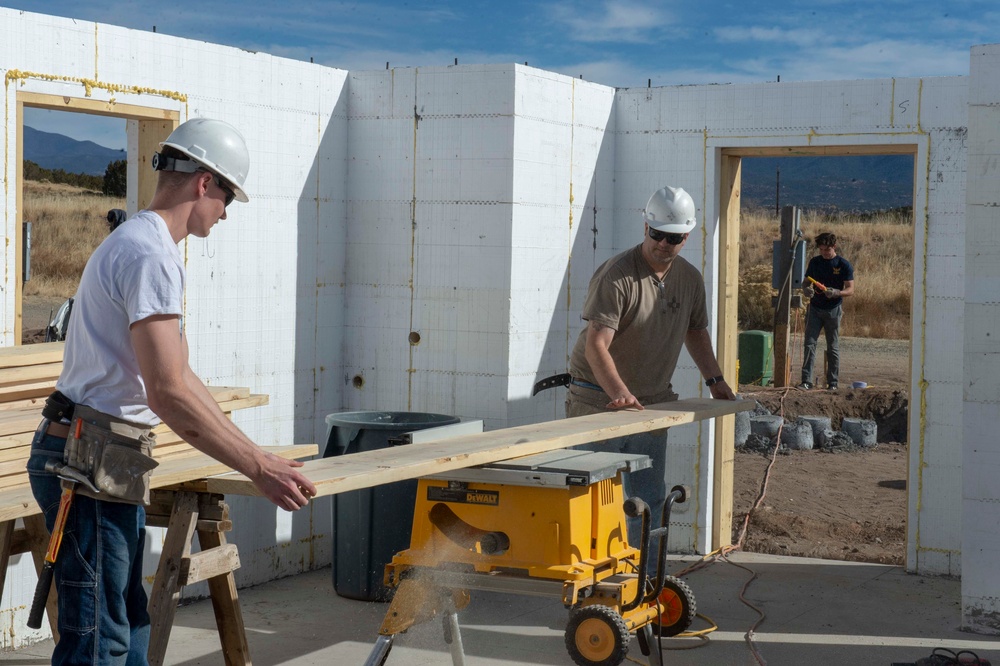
827,503
78,160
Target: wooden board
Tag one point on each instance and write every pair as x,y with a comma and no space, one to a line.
19,502
21,355
25,419
372,468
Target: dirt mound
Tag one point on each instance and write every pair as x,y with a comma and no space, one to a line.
888,407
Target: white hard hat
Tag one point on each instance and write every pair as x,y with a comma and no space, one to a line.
213,145
670,210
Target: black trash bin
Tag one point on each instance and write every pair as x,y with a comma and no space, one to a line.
372,524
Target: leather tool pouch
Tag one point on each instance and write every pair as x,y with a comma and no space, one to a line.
117,456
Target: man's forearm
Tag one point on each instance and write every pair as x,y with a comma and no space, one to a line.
194,414
699,346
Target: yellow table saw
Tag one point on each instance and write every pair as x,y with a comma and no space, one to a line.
551,524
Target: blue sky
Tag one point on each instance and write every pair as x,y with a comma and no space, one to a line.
619,43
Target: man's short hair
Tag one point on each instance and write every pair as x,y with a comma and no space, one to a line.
827,239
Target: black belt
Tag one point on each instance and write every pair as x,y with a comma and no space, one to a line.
564,379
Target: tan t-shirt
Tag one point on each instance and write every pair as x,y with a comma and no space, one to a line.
650,318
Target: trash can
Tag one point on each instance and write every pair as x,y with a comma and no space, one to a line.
756,357
372,524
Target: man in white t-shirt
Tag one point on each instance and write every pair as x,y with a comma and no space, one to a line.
126,360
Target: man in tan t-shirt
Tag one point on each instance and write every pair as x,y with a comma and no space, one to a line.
642,306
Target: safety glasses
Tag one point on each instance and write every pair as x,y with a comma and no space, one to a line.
673,239
230,195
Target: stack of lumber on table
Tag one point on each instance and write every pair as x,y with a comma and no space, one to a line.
28,375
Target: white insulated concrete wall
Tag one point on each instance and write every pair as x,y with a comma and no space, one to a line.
981,453
422,239
265,290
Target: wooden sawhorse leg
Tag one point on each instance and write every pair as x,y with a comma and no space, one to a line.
209,516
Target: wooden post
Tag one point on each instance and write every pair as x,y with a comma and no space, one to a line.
725,428
789,225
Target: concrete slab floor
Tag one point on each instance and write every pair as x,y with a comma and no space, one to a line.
816,612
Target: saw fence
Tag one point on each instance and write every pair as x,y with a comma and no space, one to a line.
27,375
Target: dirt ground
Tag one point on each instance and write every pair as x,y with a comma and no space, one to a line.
844,505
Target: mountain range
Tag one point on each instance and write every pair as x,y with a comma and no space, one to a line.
857,183
56,151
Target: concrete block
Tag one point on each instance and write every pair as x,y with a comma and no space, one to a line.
766,426
742,428
818,425
864,432
797,435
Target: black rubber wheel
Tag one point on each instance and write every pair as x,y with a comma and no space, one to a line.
677,608
597,636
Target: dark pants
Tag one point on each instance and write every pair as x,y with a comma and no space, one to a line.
648,484
98,575
828,321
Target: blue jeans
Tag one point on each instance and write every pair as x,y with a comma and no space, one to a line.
103,618
650,485
829,321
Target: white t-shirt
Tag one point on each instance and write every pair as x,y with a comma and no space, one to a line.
137,272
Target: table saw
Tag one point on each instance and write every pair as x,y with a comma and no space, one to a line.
550,524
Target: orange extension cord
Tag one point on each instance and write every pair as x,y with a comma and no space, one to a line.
722,553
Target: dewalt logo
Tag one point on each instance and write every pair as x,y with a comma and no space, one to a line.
463,496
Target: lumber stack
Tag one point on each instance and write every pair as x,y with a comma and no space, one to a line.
28,374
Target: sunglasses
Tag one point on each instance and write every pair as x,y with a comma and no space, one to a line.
673,239
230,195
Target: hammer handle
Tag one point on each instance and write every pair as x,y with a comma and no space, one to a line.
48,568
41,595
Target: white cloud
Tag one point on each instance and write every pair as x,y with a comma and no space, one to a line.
620,21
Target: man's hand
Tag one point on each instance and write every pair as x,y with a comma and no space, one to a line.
831,293
808,291
722,391
624,401
281,484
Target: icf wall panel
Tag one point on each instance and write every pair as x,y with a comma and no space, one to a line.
243,281
563,166
980,462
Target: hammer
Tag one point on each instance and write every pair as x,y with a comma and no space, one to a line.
70,478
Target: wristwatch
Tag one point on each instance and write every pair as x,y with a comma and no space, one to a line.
714,380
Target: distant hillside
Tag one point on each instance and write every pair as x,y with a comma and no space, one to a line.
55,151
853,183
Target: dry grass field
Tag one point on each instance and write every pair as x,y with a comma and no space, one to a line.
67,224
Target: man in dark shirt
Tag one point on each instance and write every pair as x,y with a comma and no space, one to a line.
835,278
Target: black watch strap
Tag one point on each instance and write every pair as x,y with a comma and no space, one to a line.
714,380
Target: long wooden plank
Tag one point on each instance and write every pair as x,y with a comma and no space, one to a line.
21,355
25,419
29,373
19,502
372,468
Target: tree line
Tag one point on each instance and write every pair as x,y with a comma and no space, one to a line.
112,183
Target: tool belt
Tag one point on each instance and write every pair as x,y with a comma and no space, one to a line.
117,456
